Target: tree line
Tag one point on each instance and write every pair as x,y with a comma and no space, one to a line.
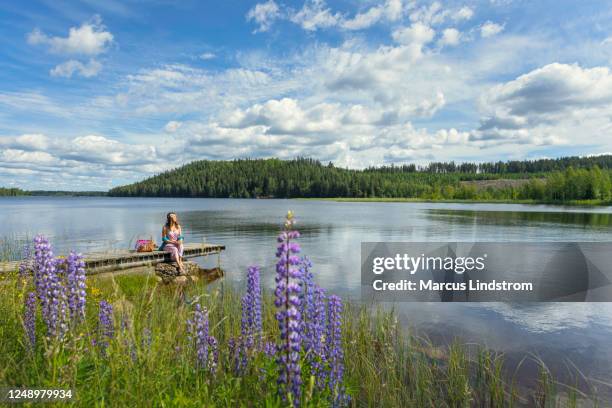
507,167
572,178
14,192
11,192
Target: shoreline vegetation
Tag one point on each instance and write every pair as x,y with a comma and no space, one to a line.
571,203
129,340
575,181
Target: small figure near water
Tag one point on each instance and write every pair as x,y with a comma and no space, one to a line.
172,239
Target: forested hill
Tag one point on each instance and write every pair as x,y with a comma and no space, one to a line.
11,191
557,179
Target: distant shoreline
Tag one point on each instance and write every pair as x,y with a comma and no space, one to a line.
568,203
572,203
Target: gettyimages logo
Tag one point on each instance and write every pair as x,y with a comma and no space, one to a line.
484,272
413,264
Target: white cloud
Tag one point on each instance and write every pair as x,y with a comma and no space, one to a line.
315,14
414,38
464,13
99,149
435,14
450,36
89,39
33,102
490,29
417,34
391,11
83,149
27,142
84,162
432,14
172,126
180,89
286,116
553,104
551,90
70,67
264,14
208,56
20,157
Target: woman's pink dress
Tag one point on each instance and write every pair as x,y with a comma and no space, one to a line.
175,250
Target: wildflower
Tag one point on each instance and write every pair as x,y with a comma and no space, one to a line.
269,348
335,354
49,288
288,315
106,329
307,303
317,356
214,351
26,266
198,332
234,351
29,319
251,327
75,276
95,292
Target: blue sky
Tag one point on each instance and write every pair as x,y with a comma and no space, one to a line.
95,94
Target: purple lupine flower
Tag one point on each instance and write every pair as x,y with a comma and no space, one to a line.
288,315
251,327
334,351
75,277
59,309
237,355
269,348
213,362
317,356
26,266
234,355
44,266
307,303
198,334
106,326
29,319
49,288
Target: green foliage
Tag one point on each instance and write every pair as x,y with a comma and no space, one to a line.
11,192
385,365
439,181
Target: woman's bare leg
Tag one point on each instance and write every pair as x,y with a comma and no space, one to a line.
180,256
176,257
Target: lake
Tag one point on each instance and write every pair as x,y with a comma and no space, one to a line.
561,334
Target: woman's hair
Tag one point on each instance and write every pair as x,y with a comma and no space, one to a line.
170,221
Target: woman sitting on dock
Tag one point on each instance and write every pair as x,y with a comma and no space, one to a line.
172,239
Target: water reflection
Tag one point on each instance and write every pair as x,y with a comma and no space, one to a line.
507,218
331,236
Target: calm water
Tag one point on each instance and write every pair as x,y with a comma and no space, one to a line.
331,237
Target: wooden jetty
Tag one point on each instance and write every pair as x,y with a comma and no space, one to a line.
98,262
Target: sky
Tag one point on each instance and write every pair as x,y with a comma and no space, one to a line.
100,93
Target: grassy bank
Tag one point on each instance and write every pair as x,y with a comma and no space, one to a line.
149,362
585,203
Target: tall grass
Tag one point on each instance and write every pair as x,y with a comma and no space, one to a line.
149,362
12,248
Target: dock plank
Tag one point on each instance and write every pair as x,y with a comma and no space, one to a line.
109,261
